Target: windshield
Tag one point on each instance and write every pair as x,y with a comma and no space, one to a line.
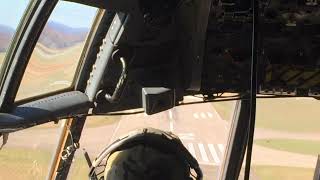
11,11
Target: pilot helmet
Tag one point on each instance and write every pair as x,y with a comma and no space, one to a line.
148,154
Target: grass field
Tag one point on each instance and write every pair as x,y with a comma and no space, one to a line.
225,109
292,145
1,58
79,169
18,163
49,70
98,121
286,114
33,164
283,173
91,122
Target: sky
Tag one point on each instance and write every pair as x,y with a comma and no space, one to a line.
67,13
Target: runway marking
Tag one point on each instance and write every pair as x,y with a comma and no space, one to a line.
67,83
171,120
195,115
203,115
214,153
170,114
203,153
186,136
221,148
209,114
171,126
192,150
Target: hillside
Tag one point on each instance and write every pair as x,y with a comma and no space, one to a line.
6,34
54,36
59,36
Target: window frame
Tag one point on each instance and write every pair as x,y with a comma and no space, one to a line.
18,55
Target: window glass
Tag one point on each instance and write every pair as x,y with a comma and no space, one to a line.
11,11
203,129
28,153
54,61
287,139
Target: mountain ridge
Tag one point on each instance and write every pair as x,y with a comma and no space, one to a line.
54,35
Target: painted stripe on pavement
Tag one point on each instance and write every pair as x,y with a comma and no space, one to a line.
214,153
195,115
221,148
191,150
203,153
203,115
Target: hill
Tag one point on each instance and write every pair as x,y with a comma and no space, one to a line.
59,36
6,34
54,36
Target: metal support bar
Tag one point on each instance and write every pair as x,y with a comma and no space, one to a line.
253,93
75,125
317,170
68,143
61,143
237,141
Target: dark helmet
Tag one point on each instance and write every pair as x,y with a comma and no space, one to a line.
147,154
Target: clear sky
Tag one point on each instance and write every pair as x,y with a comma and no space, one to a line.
71,14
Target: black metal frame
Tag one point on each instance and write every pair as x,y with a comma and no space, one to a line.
16,62
241,135
237,141
59,168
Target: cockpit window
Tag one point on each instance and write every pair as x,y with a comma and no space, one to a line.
55,59
11,11
202,128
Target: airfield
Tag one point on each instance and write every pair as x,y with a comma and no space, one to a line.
287,138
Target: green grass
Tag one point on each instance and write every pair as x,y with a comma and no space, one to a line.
79,169
2,57
98,121
19,163
28,164
282,173
225,109
291,145
91,122
287,114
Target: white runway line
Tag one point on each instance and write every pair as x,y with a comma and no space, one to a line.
221,148
203,115
203,153
171,120
171,126
186,136
214,153
210,115
195,115
67,83
191,150
170,114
